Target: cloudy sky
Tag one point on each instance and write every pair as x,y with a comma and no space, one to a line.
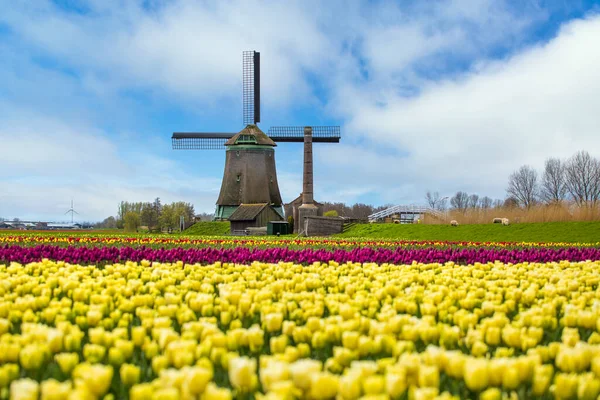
439,95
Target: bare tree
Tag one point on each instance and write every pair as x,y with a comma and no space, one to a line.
523,186
582,178
498,203
474,201
460,201
510,202
485,202
435,201
443,203
553,186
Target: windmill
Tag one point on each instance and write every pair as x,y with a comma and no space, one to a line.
72,211
250,175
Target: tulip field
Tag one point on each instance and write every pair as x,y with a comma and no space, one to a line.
173,317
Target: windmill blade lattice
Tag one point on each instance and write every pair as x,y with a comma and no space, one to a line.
320,134
200,141
251,87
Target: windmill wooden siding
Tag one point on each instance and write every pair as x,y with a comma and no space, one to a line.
249,177
252,215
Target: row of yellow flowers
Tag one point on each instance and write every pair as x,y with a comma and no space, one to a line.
285,331
71,238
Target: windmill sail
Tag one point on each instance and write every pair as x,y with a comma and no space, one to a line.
282,134
200,141
251,87
320,134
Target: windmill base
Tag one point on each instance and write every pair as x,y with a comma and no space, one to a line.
305,211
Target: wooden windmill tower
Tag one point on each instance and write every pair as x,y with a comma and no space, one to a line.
250,175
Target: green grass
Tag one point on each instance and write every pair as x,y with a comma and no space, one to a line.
213,228
572,232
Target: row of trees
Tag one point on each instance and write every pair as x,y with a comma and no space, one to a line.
462,201
576,179
153,215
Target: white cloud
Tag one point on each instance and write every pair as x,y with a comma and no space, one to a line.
46,163
187,48
471,132
457,130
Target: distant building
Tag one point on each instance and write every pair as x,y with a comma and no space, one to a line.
54,226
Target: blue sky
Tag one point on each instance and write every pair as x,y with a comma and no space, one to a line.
437,95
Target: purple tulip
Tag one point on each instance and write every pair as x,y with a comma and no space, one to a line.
243,255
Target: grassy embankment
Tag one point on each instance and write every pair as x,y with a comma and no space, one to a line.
572,232
212,228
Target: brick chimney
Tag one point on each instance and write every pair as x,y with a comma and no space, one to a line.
307,183
308,207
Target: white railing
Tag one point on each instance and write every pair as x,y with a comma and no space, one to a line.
409,209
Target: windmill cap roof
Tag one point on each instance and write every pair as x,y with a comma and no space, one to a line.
252,130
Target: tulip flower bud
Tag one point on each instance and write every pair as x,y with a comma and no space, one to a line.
66,362
94,353
429,376
565,385
213,392
130,374
242,374
476,374
491,394
115,357
278,344
142,391
32,357
350,386
4,326
273,322
166,393
73,342
588,388
323,385
159,363
53,390
138,334
25,389
373,385
197,379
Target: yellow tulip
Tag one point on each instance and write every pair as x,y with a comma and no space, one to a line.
166,393
511,379
476,374
491,394
302,371
213,392
588,387
51,389
197,378
273,322
374,384
542,377
130,374
24,389
565,386
32,357
429,376
323,386
350,387
242,374
395,384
